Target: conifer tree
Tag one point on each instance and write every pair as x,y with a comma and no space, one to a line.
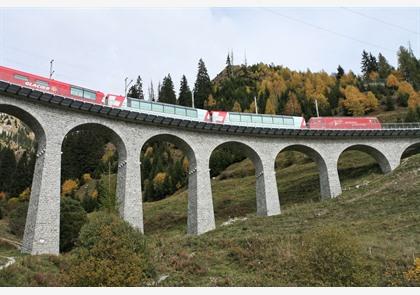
340,72
7,169
185,94
202,86
384,68
365,64
136,91
167,93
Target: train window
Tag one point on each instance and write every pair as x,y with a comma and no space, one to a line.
234,118
157,107
89,94
20,77
192,113
147,106
246,118
267,120
169,109
288,121
134,103
180,111
278,120
76,91
43,83
256,119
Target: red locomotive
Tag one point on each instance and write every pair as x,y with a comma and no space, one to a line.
59,88
344,123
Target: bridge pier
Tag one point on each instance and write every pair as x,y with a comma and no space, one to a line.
268,203
328,178
200,200
42,228
129,195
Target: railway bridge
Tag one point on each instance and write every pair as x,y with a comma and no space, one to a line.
53,117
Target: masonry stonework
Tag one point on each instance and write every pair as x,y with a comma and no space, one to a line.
51,125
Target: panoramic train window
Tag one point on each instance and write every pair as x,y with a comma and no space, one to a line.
76,91
234,118
89,94
288,121
192,113
145,106
20,77
43,83
169,109
278,120
157,107
267,120
180,111
256,119
246,118
134,103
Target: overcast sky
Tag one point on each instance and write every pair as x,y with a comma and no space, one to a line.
97,48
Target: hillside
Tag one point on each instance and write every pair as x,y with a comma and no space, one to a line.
379,213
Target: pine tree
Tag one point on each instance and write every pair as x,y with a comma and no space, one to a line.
384,68
202,86
185,94
340,72
136,91
409,66
228,66
7,169
167,93
373,64
365,64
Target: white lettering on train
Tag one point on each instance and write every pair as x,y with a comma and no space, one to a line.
42,87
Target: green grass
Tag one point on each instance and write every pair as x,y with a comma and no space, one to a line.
378,212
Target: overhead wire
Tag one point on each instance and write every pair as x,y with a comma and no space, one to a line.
381,21
326,29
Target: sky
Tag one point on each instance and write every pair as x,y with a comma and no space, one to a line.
98,48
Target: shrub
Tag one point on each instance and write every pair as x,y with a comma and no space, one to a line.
413,274
331,257
72,217
17,219
110,253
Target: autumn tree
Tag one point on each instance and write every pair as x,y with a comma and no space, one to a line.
293,106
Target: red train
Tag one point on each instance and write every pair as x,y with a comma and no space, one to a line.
117,101
344,123
59,88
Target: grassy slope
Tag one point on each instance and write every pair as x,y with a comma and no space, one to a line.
382,215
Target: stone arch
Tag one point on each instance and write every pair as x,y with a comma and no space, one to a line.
28,119
250,153
329,186
410,150
29,240
381,159
196,222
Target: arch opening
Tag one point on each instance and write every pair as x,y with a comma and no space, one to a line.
90,159
21,135
166,161
299,178
411,150
359,164
233,169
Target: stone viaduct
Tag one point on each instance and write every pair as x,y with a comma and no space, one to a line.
52,118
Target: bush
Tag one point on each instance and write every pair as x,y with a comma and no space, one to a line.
72,217
413,274
17,219
331,257
110,253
